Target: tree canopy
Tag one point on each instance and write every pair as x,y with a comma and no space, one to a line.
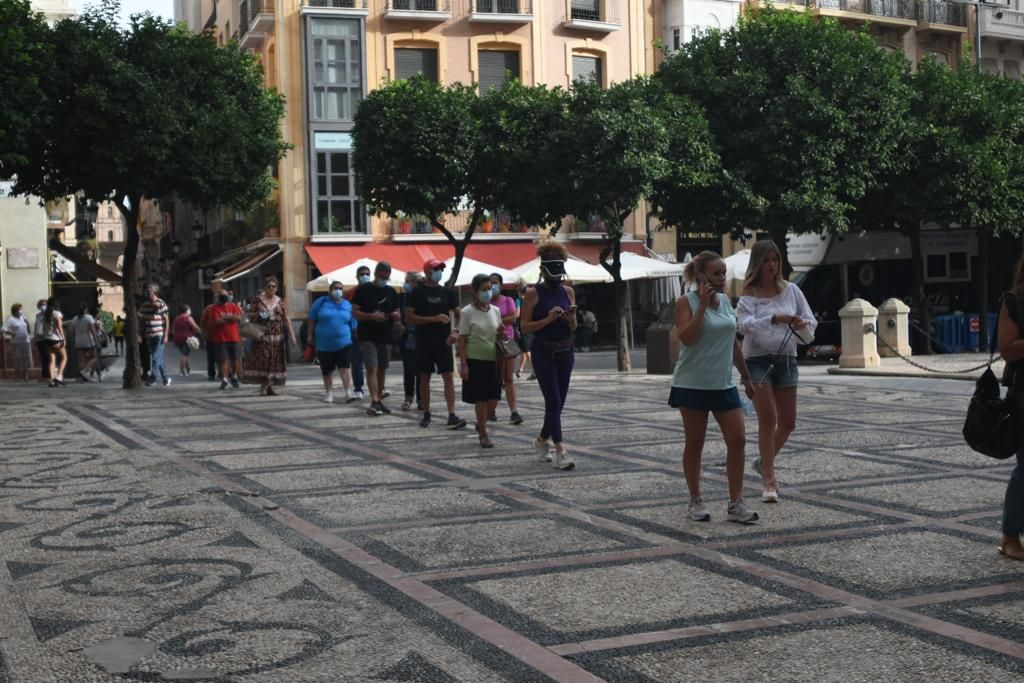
805,115
149,111
26,59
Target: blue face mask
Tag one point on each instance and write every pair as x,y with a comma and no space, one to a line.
408,288
336,294
437,275
381,282
231,297
485,296
495,290
363,279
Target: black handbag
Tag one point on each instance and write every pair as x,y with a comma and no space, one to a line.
993,426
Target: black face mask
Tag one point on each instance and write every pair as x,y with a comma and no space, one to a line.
223,298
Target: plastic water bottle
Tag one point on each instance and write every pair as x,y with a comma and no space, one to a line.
746,405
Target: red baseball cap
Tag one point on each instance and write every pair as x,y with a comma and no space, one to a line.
433,264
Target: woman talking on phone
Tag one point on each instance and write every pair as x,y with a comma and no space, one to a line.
549,314
702,382
773,317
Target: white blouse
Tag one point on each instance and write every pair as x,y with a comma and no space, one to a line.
760,337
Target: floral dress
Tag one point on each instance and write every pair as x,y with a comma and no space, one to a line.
266,362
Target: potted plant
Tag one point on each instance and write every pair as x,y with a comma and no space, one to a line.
404,224
487,224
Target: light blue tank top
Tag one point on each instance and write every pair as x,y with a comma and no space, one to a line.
707,364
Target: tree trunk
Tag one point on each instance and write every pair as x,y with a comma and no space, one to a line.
459,245
917,262
625,362
132,378
983,244
613,248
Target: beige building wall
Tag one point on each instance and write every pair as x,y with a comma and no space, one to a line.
24,256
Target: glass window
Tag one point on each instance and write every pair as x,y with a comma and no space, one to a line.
1011,70
935,266
338,211
586,10
336,71
675,39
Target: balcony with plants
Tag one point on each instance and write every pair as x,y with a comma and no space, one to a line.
493,225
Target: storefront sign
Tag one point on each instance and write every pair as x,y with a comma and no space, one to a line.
332,141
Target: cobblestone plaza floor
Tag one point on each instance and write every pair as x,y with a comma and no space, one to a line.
188,533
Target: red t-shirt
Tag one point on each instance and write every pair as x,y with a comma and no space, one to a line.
226,332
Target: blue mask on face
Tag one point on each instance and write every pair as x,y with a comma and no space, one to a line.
485,296
408,288
437,275
336,294
381,282
495,290
363,279
231,297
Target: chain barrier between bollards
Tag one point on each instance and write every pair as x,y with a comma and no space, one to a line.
992,359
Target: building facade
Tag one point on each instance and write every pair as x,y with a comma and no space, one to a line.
326,55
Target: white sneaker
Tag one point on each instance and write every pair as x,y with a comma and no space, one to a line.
740,513
543,450
328,397
563,461
358,395
770,496
349,395
699,511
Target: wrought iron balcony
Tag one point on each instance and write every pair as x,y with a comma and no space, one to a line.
505,11
255,20
419,10
903,11
593,15
356,7
938,15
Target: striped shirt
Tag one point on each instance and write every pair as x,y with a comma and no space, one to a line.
152,316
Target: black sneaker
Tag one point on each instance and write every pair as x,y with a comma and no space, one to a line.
374,410
383,408
150,383
385,395
425,422
516,418
223,384
493,417
235,383
455,422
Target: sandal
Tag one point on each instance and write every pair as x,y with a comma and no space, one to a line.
486,442
1012,553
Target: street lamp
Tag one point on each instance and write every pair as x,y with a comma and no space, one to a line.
197,230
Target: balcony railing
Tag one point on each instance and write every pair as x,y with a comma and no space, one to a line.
939,12
494,223
418,5
895,9
503,6
336,4
1006,23
601,15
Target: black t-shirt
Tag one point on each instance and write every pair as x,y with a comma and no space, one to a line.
1012,371
427,301
370,299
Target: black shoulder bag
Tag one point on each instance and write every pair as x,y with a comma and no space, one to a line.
994,424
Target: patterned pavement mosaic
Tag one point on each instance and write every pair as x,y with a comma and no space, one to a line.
193,534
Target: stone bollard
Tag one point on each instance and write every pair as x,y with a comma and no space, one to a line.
894,328
860,348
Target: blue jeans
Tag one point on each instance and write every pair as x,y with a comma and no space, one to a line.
1013,505
553,378
156,357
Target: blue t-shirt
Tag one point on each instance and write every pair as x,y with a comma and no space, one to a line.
334,323
707,364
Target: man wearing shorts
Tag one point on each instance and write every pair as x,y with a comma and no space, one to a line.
431,308
375,305
225,317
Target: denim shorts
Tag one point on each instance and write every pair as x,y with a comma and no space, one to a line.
714,401
778,371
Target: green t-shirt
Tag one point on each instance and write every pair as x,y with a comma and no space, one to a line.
481,328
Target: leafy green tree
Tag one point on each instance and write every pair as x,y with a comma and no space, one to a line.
151,111
965,165
25,65
805,116
624,144
415,148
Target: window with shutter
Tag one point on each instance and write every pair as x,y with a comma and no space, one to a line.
586,68
586,10
495,67
412,61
